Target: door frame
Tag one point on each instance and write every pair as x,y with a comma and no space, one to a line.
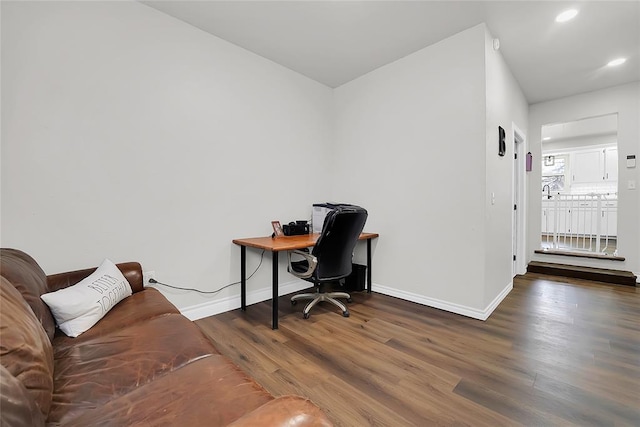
519,198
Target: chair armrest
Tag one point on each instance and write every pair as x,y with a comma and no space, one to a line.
312,260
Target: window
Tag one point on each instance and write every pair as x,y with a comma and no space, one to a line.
554,170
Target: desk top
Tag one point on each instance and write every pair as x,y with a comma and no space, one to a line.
288,243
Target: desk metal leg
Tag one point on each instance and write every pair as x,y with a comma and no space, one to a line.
243,278
368,265
274,298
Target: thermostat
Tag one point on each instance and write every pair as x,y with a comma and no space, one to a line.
631,161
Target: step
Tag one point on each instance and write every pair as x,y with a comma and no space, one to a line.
619,277
592,255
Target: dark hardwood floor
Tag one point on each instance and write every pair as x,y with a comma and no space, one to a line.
557,351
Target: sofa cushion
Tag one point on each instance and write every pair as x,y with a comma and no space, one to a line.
26,276
141,306
98,370
25,349
211,392
79,307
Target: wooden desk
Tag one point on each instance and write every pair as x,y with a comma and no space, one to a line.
279,244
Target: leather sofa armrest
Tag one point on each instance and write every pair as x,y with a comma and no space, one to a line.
132,271
285,411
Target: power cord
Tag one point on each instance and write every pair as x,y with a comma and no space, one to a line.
154,281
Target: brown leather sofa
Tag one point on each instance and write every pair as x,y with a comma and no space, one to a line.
142,364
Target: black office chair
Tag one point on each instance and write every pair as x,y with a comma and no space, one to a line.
331,258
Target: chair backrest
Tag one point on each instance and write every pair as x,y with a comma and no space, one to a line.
334,248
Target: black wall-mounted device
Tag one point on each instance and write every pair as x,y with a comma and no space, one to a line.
502,144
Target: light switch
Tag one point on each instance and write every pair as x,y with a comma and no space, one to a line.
631,184
493,198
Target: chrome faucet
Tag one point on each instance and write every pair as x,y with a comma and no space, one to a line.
548,190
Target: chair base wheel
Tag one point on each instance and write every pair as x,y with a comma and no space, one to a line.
318,297
349,300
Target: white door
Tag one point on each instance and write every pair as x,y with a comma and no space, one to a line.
516,180
519,160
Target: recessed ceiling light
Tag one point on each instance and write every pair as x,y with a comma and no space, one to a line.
567,15
546,138
617,62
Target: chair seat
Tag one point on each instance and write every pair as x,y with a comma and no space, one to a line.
299,266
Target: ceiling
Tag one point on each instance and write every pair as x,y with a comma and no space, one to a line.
334,42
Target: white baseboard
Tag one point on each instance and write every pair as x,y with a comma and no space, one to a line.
637,276
497,300
445,305
223,305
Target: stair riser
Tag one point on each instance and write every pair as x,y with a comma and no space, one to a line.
594,275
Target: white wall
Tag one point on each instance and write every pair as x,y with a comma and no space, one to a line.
571,144
506,107
129,134
417,142
625,101
410,143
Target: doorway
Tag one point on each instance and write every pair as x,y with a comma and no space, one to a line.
580,186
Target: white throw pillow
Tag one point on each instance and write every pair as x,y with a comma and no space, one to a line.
79,307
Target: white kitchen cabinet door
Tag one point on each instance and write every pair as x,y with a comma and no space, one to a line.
609,219
611,164
587,166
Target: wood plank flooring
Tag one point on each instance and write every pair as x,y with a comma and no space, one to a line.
556,352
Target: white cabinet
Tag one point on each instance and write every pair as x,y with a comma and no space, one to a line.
548,217
584,217
609,219
587,166
556,217
595,166
611,164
